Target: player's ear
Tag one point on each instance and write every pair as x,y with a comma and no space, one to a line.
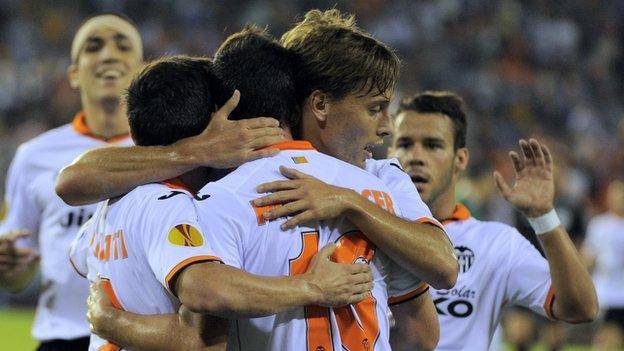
318,105
461,159
72,76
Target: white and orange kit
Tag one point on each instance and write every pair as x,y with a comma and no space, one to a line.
242,238
138,245
31,203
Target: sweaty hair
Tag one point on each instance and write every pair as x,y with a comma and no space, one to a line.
170,99
442,102
263,71
338,58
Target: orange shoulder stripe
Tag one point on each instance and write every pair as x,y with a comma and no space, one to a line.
178,268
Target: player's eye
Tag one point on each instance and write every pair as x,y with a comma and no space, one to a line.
93,45
124,45
433,145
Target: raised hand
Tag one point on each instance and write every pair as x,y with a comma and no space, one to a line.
14,259
303,197
533,192
338,284
226,144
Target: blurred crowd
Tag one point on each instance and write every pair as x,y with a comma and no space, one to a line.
551,69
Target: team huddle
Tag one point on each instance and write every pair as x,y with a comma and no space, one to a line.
233,203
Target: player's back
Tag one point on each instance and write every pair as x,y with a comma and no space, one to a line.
137,245
242,238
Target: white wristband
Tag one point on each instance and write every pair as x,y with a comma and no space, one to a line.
545,223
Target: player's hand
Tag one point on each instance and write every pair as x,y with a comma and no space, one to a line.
100,309
303,197
533,193
14,259
226,144
338,284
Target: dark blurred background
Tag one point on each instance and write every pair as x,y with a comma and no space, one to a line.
551,69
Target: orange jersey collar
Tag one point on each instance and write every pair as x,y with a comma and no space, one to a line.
80,126
176,183
461,213
292,145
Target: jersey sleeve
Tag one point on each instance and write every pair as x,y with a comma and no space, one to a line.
225,220
406,197
528,282
592,239
19,207
402,286
172,237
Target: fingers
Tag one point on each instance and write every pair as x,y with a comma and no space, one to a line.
292,173
358,268
327,251
517,162
502,186
265,141
286,210
228,107
277,185
527,152
537,152
303,217
262,122
258,154
358,297
17,234
277,198
547,156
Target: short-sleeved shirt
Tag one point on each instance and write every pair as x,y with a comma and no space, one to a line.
243,239
605,239
138,245
31,203
498,267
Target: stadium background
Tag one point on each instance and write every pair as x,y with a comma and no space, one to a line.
551,69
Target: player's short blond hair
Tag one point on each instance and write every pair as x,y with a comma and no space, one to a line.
339,58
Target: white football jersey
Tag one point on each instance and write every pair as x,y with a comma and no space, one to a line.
32,204
605,240
138,245
498,267
242,238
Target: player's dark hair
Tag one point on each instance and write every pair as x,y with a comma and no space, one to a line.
170,99
442,102
263,71
339,58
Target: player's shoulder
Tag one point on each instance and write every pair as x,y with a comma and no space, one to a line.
44,142
384,166
491,230
605,218
156,197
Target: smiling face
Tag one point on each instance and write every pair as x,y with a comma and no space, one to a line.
423,143
106,52
348,128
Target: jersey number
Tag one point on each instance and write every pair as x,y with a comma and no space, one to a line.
357,323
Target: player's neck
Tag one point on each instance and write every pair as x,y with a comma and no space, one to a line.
106,119
196,178
444,205
312,133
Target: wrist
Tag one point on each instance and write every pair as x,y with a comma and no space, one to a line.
544,223
183,152
312,293
354,204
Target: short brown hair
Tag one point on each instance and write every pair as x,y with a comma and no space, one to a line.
339,58
442,102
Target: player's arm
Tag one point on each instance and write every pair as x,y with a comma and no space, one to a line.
423,248
111,171
18,264
225,291
168,332
533,194
416,325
